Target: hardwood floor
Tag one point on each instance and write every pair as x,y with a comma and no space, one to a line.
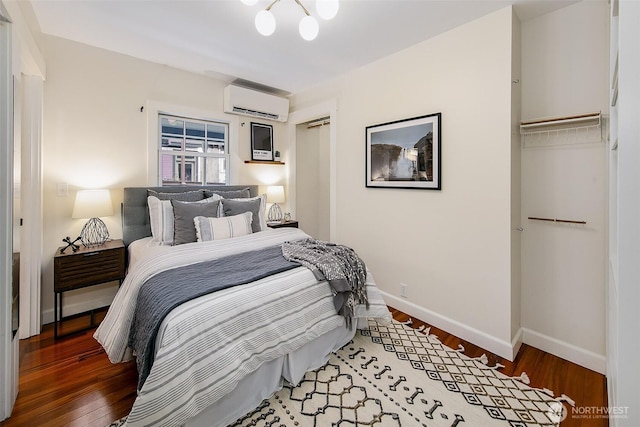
70,382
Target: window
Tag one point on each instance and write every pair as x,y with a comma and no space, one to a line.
193,151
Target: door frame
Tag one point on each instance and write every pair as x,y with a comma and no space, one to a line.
8,343
324,109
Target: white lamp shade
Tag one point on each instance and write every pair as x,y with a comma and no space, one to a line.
275,194
309,28
249,2
92,204
327,9
265,22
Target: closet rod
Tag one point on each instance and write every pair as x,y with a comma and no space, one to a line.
318,123
568,221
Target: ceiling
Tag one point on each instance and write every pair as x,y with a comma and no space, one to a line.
218,37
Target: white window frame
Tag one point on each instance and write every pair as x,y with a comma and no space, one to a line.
185,154
152,108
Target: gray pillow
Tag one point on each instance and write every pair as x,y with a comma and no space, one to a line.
184,229
245,193
232,207
185,196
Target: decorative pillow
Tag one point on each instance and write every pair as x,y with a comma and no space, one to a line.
185,196
184,213
229,194
208,229
161,218
255,205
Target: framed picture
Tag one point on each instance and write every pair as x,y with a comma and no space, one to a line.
404,153
261,142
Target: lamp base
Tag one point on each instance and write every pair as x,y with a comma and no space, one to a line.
94,233
275,213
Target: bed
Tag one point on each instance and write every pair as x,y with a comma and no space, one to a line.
216,356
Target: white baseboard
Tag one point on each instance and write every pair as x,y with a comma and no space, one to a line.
492,344
570,352
516,343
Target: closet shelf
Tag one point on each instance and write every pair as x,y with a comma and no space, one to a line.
566,121
582,128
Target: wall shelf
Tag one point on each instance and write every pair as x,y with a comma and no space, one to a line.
264,162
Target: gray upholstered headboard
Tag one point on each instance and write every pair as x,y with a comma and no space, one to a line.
135,212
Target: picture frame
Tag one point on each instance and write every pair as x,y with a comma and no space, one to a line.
261,142
405,153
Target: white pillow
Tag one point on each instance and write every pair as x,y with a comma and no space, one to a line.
262,217
161,218
208,229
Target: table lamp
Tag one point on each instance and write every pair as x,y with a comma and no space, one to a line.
275,195
93,204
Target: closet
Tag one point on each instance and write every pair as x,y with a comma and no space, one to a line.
313,178
564,240
564,183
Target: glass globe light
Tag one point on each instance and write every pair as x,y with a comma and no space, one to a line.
327,9
249,2
308,28
265,22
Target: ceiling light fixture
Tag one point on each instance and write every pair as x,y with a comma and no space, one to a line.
327,9
266,23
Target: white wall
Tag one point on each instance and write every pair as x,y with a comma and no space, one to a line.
451,247
562,61
95,136
565,72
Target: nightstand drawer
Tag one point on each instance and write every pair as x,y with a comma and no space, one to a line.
92,267
88,266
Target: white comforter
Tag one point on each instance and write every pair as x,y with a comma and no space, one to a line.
205,347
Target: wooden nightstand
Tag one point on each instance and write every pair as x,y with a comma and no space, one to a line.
292,224
86,267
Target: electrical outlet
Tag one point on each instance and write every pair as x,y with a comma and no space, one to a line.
403,290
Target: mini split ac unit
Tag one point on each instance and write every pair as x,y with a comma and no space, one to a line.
248,102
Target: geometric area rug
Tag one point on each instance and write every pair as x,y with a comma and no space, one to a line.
393,375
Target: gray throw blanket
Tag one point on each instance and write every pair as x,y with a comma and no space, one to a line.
168,289
337,264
